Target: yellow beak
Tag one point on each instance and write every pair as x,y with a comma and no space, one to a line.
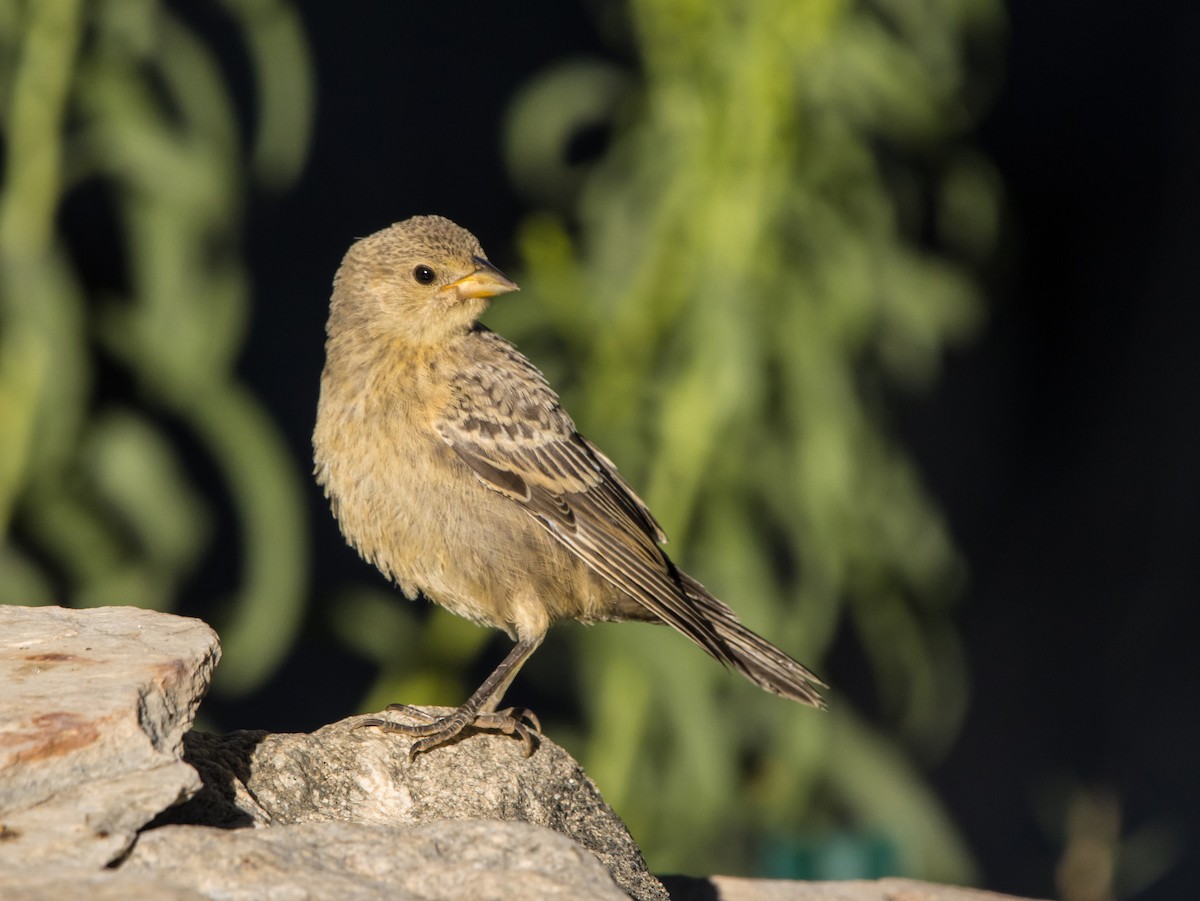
486,281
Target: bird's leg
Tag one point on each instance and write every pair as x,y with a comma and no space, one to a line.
479,712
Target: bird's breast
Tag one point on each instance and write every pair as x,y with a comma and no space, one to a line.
408,503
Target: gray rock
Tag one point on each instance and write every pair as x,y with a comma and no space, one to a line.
94,707
92,720
474,861
94,885
345,774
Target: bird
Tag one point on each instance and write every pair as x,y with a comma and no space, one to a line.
450,464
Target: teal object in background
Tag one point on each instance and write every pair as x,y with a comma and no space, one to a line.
837,855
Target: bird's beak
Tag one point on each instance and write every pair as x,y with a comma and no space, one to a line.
486,281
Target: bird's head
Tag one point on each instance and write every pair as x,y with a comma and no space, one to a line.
423,280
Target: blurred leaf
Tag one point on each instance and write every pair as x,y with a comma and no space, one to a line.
279,52
538,133
133,469
261,623
35,332
372,622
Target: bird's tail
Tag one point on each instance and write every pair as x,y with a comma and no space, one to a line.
750,654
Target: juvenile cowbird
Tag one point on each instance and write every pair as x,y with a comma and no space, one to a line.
451,466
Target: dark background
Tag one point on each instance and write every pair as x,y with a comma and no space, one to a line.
1063,444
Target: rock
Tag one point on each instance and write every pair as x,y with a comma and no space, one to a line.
92,721
346,774
92,716
442,859
95,885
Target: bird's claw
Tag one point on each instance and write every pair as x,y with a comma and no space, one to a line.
434,731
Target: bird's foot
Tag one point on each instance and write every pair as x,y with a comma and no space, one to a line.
434,731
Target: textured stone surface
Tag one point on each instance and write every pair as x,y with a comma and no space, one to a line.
92,713
340,773
95,885
447,859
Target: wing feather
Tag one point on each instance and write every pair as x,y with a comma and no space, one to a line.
506,424
537,458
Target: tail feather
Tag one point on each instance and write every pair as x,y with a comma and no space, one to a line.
750,654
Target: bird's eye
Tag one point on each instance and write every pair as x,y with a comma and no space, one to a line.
424,275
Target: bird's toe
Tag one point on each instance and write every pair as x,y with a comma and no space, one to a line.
434,731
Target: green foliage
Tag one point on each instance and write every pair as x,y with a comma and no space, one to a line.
99,494
781,232
727,297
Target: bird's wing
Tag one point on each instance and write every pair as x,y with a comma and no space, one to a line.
506,424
